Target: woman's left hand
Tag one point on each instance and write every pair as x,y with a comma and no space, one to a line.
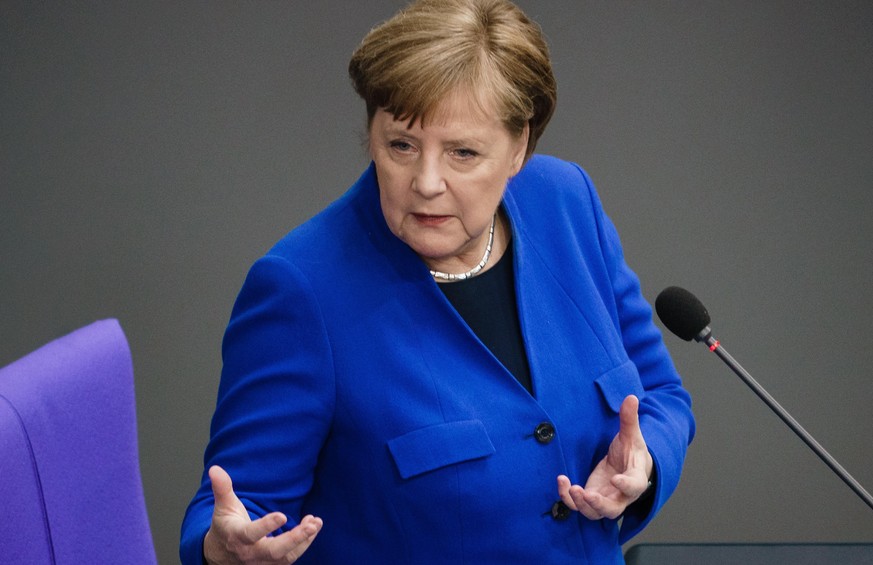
620,478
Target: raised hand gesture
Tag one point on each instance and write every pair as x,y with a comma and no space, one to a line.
233,538
620,478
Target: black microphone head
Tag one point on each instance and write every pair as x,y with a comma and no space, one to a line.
681,312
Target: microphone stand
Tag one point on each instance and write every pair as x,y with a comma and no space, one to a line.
705,336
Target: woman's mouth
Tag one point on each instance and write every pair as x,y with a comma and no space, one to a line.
431,220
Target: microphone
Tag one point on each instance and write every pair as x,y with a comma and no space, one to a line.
687,317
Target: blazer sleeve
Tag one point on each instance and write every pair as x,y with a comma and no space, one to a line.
665,408
275,400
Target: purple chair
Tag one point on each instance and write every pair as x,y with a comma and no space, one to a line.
70,485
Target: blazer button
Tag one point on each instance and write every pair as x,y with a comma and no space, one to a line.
560,511
544,433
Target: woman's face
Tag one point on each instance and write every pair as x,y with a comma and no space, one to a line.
441,184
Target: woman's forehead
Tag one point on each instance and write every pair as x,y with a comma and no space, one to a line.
459,106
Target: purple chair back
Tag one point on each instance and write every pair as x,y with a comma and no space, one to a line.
70,484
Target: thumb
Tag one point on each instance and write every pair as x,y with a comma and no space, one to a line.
222,489
629,418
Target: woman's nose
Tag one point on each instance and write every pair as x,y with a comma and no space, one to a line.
429,180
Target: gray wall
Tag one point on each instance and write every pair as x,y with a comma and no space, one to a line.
152,150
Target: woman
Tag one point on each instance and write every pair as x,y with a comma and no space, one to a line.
452,362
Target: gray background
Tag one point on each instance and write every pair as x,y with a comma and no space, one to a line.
152,150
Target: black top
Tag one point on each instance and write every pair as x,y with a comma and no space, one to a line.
487,303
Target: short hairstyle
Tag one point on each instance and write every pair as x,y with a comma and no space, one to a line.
489,48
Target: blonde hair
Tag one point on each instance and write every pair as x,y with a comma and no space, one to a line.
488,48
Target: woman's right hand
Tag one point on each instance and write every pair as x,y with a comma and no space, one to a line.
233,538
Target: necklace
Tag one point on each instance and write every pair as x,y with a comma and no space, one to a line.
475,270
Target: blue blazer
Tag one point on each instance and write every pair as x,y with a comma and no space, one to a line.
353,390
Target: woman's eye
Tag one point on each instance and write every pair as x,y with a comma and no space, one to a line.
400,145
465,153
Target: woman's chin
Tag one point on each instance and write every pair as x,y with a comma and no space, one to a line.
432,253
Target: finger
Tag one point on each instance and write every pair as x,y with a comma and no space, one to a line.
310,527
311,524
289,546
257,529
564,492
603,507
581,499
632,487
